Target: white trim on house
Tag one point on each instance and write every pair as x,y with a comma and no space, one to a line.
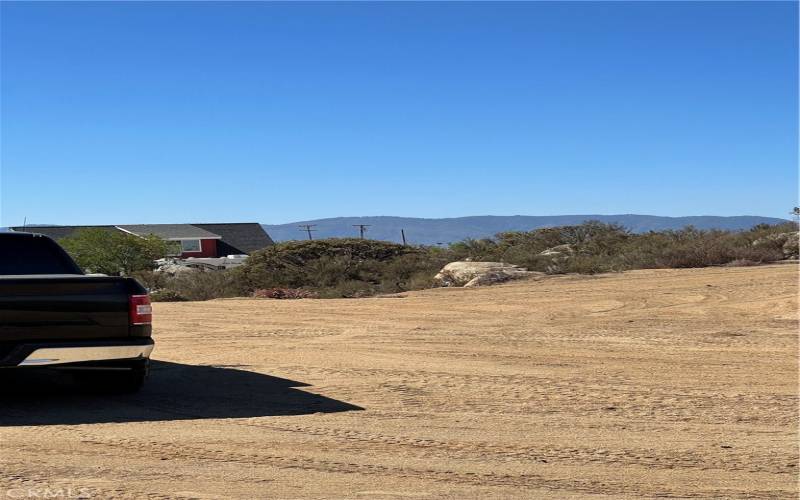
126,231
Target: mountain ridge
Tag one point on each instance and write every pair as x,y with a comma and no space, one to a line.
431,231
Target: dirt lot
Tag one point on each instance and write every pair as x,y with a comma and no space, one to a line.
652,383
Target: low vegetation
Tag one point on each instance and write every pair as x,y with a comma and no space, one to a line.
199,285
594,247
359,268
114,252
341,267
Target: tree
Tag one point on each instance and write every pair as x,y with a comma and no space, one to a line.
114,252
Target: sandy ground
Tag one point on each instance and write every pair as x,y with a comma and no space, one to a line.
676,383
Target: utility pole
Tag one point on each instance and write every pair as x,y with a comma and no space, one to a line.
307,228
362,228
403,234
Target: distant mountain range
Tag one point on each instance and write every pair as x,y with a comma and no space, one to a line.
433,231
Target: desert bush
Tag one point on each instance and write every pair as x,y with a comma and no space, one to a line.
418,281
413,271
349,289
205,285
166,296
759,255
342,267
597,247
762,231
590,235
741,263
480,250
294,264
594,245
152,280
586,264
693,248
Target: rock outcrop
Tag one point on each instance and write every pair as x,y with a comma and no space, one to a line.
470,274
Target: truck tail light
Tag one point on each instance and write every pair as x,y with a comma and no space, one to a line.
141,312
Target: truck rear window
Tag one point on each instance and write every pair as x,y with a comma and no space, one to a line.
23,254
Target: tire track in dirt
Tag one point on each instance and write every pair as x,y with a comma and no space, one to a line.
23,481
512,394
170,451
732,461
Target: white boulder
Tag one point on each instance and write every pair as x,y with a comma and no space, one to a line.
469,274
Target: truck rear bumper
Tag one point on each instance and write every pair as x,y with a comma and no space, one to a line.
62,353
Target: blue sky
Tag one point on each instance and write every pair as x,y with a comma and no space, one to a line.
275,112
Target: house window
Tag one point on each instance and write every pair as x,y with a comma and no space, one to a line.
190,245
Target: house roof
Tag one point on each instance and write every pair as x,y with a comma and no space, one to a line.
236,238
242,237
170,231
58,232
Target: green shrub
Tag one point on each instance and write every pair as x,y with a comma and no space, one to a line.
113,252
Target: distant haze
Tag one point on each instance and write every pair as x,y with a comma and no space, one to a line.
433,231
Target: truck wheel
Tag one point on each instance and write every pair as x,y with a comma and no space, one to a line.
126,381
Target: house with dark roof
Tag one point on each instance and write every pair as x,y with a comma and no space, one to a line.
191,240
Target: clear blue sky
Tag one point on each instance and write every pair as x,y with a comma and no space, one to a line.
275,112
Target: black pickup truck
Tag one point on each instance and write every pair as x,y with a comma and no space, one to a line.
53,315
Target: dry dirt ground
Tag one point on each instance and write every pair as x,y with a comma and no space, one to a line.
675,383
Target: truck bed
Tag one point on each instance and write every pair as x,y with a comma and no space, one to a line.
67,307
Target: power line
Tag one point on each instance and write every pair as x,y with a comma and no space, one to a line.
307,228
362,228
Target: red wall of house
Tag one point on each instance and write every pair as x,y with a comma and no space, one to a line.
208,248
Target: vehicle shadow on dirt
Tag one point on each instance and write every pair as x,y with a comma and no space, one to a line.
174,391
